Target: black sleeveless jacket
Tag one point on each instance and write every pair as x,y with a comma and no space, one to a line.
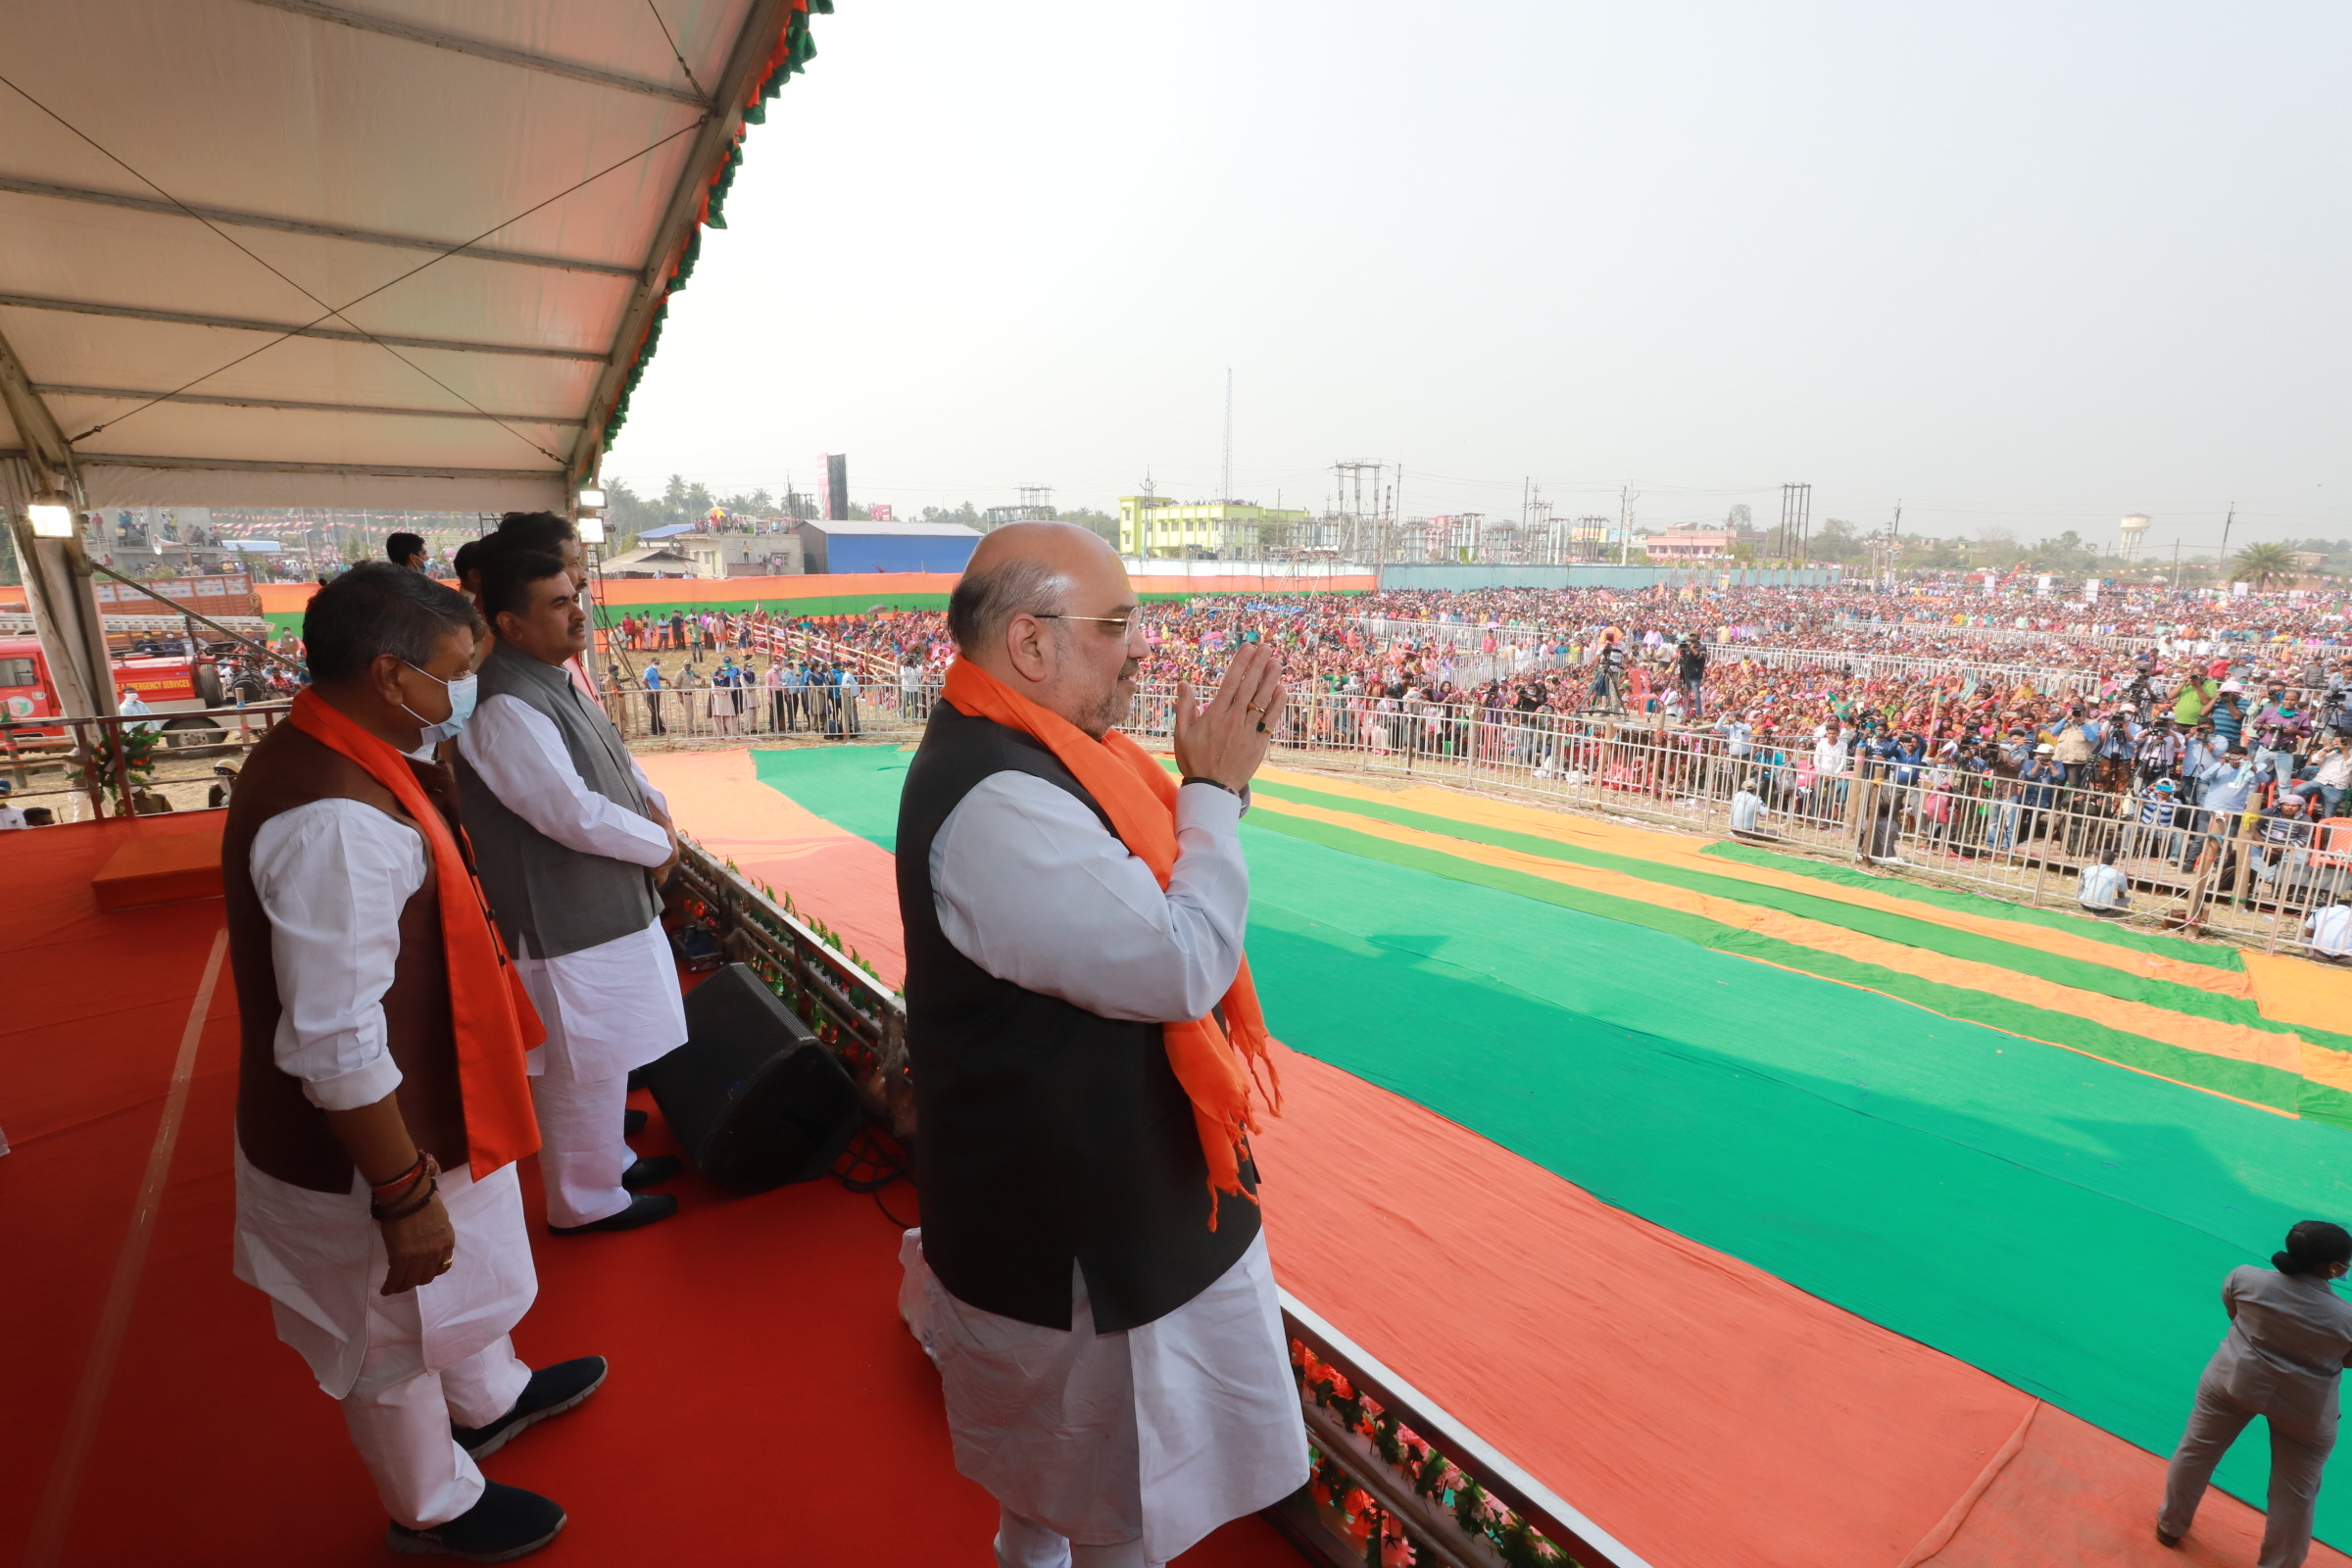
1044,1133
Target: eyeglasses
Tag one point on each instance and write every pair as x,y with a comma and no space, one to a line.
1119,622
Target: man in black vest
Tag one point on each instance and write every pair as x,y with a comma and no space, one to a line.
1114,1366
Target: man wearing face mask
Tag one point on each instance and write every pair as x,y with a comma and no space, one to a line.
573,843
381,1094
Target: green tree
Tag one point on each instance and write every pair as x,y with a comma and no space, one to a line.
759,504
1838,540
628,514
2065,554
2265,565
1102,523
1999,547
686,502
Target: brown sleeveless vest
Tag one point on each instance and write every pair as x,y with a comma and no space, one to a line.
279,1130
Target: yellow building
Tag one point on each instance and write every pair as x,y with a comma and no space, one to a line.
1156,525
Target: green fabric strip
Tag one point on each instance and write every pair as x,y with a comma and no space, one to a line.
851,786
2019,956
2059,1225
2253,1080
2212,954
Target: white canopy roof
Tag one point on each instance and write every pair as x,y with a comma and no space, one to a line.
392,252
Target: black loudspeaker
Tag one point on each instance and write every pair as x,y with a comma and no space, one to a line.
753,1098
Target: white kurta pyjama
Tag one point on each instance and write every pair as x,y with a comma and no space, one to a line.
333,877
609,1008
1131,1445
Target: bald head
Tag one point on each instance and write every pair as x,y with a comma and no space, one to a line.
1023,567
1047,608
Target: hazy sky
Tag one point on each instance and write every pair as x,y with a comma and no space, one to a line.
2025,266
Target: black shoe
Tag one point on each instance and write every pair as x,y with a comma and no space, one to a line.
2163,1539
645,1209
632,1122
652,1170
508,1523
551,1391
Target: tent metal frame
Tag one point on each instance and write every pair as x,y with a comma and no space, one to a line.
15,186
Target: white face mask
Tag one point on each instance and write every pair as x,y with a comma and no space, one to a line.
461,708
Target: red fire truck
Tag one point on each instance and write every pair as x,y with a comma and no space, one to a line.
185,688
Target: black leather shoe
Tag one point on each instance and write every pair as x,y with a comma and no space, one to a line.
652,1170
551,1391
2163,1539
505,1524
646,1208
632,1122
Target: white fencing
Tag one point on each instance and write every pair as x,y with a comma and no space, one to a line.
2231,876
2047,679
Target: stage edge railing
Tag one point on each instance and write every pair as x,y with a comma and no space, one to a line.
816,975
1392,1466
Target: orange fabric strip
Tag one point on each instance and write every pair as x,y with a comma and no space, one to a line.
495,1023
1214,1066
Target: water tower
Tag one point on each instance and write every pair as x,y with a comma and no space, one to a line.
2135,530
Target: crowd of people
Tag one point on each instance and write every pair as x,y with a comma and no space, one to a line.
2197,734
2239,668
412,993
741,696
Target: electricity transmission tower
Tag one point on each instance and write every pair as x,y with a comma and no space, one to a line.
1361,531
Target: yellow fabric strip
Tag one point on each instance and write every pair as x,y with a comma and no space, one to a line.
1651,843
2204,1034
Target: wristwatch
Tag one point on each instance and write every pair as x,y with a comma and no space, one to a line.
1218,784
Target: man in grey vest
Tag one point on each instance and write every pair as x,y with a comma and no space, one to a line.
571,842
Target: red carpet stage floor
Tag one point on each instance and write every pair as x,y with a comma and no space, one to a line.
766,1405
1700,1408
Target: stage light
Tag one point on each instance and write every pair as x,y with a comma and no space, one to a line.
592,498
591,530
51,520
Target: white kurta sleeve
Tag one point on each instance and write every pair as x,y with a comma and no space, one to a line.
660,800
519,754
332,876
1031,887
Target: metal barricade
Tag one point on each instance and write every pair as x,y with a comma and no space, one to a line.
2020,840
91,767
739,715
2024,841
1864,663
2105,642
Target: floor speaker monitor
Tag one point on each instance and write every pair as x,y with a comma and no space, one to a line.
754,1097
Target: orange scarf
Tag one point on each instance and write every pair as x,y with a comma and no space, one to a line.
494,1021
1140,799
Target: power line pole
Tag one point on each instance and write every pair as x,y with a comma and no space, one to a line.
1797,509
1396,518
2224,561
1225,492
1627,495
